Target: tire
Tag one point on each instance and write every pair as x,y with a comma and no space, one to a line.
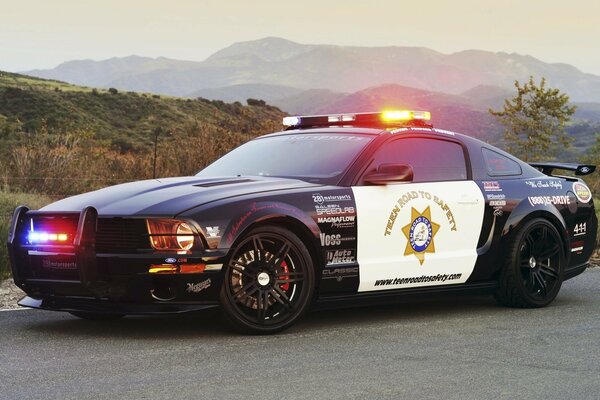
93,316
533,270
268,281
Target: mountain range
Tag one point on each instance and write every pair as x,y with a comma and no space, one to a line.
281,68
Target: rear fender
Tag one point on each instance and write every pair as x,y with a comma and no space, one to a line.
525,212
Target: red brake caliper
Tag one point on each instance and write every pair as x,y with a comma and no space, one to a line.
284,267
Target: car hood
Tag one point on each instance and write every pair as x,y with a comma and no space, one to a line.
170,196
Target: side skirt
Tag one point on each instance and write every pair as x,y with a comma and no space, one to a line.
398,295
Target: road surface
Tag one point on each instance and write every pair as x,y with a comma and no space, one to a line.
450,348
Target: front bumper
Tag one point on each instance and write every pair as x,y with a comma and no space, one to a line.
110,283
57,303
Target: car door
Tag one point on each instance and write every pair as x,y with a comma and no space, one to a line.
423,232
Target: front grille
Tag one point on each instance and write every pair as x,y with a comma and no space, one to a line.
121,235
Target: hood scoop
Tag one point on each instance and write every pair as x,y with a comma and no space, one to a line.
223,182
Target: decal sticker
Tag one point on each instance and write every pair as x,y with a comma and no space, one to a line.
498,212
494,196
577,247
545,184
170,260
582,192
338,222
414,234
420,234
580,229
198,287
340,273
492,186
213,231
335,239
420,279
547,200
345,256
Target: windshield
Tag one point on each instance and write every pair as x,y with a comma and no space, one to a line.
316,157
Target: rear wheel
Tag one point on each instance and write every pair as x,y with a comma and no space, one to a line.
534,267
268,281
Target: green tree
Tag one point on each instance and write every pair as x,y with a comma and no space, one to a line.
534,121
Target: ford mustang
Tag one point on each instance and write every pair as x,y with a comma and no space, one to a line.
334,210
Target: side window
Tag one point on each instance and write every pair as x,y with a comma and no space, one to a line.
432,160
499,165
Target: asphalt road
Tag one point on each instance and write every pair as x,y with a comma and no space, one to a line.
450,348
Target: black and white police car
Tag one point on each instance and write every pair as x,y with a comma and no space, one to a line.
337,209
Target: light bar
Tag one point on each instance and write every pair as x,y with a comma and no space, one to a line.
405,115
386,119
45,237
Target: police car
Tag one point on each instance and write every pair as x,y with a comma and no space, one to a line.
335,210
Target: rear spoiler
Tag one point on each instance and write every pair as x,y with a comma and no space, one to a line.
548,167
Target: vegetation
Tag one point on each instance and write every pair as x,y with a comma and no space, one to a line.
60,139
535,121
8,202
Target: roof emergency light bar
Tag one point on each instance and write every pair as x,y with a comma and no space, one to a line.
385,119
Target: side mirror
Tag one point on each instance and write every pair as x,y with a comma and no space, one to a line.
389,173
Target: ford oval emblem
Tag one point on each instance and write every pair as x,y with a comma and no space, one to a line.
170,260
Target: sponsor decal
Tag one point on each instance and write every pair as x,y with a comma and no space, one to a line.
170,260
198,287
319,199
53,264
492,186
333,240
498,212
212,231
494,196
547,200
339,221
420,233
339,273
577,247
580,229
341,257
497,203
582,192
333,209
545,184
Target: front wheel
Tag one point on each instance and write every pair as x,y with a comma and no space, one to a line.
534,266
268,281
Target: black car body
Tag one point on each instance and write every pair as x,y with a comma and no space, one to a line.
353,209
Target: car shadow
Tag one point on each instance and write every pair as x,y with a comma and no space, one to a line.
210,323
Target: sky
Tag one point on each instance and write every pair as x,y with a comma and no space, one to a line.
39,34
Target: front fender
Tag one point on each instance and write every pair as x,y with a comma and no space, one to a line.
262,211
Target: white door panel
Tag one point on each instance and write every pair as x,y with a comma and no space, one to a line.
417,234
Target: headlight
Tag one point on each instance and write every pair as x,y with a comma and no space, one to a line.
170,235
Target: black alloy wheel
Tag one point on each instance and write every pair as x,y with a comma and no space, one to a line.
268,281
534,269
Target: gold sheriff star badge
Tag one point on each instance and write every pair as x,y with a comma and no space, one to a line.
419,234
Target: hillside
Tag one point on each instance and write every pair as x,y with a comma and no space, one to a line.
60,138
115,116
276,61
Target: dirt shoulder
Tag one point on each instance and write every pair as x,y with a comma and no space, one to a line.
9,294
